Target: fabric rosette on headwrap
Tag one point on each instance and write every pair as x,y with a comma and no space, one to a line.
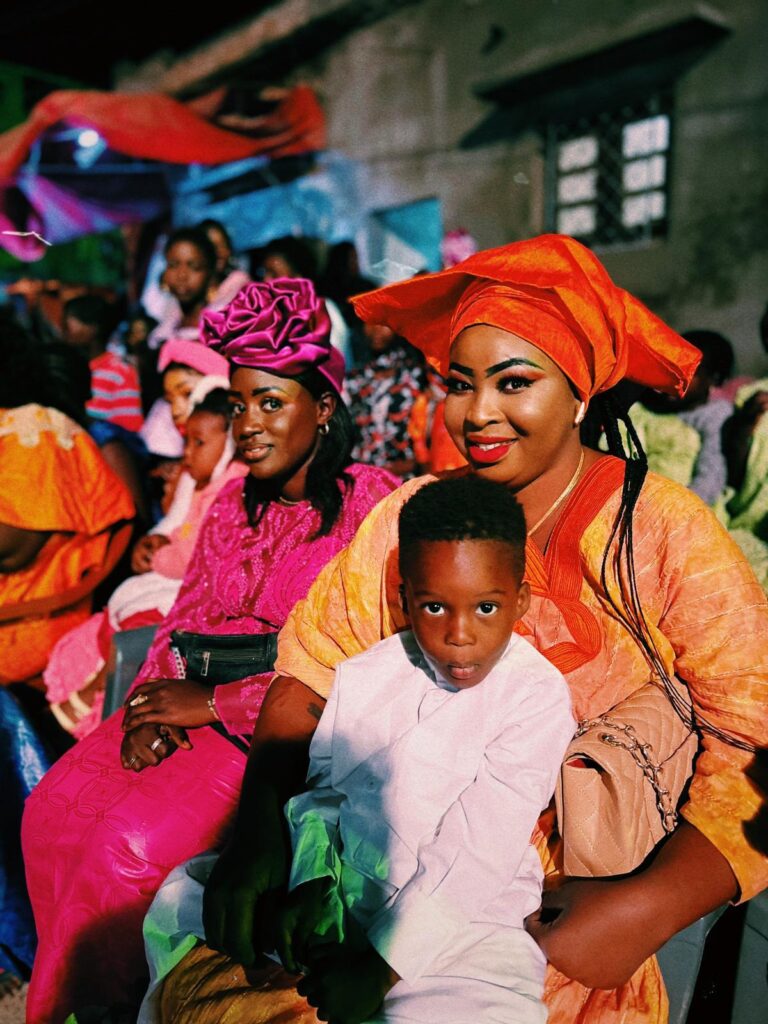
555,294
280,326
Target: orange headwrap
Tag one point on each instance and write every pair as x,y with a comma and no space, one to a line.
552,292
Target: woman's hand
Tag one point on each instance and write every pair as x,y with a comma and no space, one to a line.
169,702
600,932
144,551
595,932
148,745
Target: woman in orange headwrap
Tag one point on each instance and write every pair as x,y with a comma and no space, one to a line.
631,575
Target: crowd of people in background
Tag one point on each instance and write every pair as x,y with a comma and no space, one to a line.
193,464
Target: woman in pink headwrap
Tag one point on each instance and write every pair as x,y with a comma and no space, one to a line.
159,782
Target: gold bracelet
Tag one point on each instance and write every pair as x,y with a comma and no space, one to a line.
79,706
67,724
212,708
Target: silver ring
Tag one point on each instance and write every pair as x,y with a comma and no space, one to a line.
156,743
133,760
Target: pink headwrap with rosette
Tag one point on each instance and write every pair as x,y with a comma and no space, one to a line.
280,326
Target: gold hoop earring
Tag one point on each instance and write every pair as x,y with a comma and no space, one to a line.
323,429
580,414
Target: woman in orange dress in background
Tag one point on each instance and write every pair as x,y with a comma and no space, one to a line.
60,505
61,508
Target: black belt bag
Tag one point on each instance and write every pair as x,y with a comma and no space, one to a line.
215,660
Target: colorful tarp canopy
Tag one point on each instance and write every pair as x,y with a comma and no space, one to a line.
60,199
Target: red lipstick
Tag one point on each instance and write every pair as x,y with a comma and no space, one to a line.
486,449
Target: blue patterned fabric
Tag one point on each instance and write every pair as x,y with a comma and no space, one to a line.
23,762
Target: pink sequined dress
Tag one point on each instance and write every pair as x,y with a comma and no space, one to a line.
99,840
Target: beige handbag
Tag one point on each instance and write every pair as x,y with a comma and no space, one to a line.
620,783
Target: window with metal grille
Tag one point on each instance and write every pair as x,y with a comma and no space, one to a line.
608,174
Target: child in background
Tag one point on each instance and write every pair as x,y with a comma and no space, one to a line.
413,869
134,340
116,395
682,437
189,371
208,453
74,675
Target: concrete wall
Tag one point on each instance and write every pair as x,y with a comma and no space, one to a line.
401,95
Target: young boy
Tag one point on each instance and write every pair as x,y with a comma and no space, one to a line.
413,869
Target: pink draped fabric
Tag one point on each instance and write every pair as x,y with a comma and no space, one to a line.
98,840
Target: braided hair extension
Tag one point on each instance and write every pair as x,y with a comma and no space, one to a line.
326,471
630,611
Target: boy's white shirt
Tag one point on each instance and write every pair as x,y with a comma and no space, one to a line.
481,861
431,795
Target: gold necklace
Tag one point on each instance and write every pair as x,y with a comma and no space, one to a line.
284,501
559,500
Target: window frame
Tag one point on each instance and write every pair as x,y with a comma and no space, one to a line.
607,125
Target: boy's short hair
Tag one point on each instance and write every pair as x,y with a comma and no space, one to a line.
463,508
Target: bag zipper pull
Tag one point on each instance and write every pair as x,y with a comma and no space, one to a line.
206,661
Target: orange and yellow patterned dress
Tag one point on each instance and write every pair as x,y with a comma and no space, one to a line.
52,479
